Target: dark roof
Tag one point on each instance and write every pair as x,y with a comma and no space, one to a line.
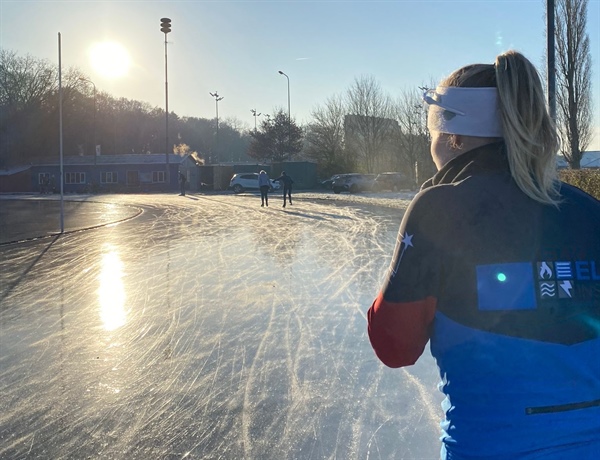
126,159
9,171
590,159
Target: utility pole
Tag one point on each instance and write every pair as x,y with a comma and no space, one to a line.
94,141
551,59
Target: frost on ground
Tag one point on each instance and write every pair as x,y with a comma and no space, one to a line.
209,327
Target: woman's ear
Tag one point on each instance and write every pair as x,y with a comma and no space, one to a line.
455,142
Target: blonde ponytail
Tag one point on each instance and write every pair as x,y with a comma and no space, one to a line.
529,131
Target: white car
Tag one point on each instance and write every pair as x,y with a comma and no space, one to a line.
248,181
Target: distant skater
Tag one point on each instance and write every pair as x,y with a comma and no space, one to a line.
45,185
182,181
287,186
264,183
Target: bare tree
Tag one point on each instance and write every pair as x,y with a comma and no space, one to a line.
412,141
368,126
29,106
234,139
29,119
324,140
25,80
573,79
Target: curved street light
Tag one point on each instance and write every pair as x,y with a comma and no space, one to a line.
288,82
289,113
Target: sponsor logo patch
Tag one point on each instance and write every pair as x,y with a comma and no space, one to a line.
506,287
520,286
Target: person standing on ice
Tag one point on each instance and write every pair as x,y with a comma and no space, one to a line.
182,181
264,184
497,265
287,186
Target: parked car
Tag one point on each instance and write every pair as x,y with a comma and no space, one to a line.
353,183
328,183
393,181
248,181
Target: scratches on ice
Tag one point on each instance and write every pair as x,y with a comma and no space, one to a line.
241,334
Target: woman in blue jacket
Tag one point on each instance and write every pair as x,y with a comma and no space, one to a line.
497,265
264,184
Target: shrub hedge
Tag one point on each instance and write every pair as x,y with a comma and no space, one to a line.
587,180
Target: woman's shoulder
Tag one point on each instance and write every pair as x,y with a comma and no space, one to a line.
441,194
573,199
575,193
430,203
455,201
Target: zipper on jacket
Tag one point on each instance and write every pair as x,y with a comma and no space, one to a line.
561,407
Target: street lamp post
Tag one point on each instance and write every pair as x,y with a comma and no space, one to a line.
289,113
255,115
217,99
165,27
94,142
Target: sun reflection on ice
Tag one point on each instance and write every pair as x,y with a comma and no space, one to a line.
111,293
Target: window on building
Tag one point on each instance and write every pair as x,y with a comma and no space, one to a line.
109,177
158,176
75,178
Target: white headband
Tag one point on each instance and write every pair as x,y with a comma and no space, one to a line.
466,111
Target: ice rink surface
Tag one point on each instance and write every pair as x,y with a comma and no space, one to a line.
206,327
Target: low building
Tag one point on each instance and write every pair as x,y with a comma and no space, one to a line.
304,173
16,179
108,173
139,173
590,159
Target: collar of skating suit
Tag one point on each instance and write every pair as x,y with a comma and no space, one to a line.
490,158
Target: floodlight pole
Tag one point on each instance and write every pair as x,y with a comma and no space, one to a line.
165,24
253,111
217,99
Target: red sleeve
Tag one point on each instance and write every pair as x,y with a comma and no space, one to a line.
399,331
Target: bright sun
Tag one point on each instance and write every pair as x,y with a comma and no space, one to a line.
109,59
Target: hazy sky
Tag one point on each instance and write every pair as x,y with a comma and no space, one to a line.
237,47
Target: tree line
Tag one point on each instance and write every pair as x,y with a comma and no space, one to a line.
355,133
29,119
366,130
362,129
